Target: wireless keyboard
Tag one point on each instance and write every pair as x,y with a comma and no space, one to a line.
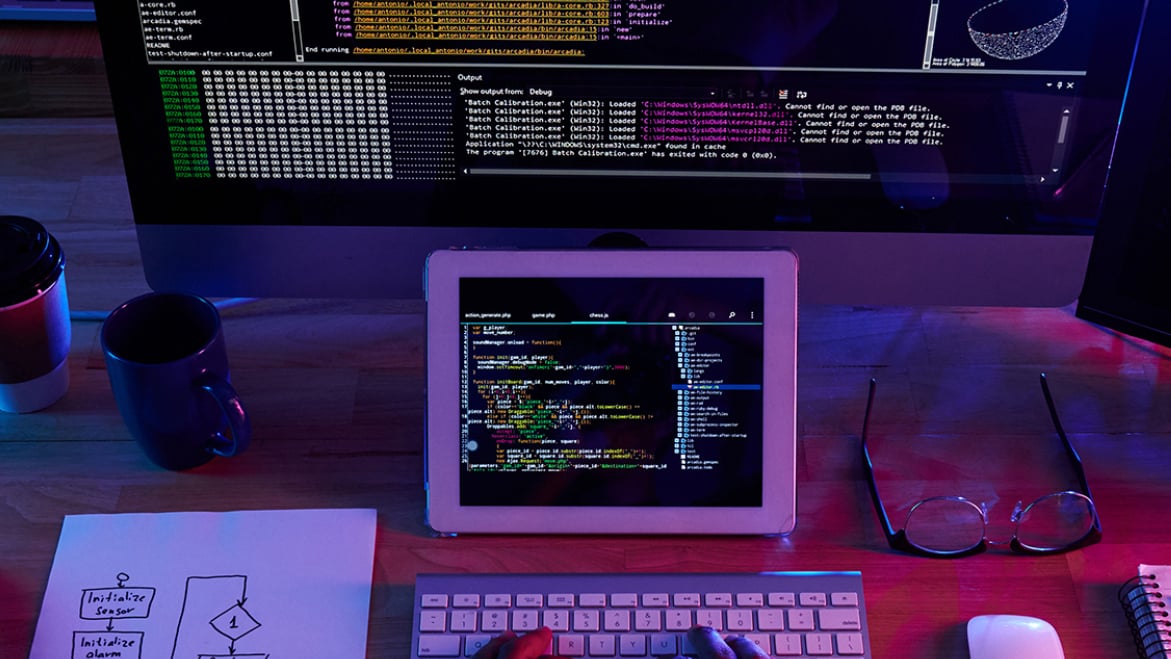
788,614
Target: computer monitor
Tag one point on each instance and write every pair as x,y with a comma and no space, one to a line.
928,152
1128,282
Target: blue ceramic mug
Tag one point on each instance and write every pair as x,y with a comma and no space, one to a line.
168,368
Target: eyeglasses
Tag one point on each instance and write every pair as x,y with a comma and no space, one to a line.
952,526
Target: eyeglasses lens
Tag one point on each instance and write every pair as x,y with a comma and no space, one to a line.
1055,521
945,525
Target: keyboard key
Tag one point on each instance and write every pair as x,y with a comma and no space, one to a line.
782,599
616,620
433,601
495,620
632,645
586,620
556,619
664,644
571,645
713,618
592,600
801,620
851,644
439,645
750,599
762,641
474,642
655,599
648,620
787,645
819,644
843,599
678,620
770,620
603,645
626,600
717,599
433,621
463,620
466,601
740,620
812,599
530,600
835,619
525,620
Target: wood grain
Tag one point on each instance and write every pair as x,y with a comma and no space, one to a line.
335,388
52,69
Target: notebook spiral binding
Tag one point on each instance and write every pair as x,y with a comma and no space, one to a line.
1146,612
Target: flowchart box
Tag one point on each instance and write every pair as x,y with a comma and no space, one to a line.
116,603
112,645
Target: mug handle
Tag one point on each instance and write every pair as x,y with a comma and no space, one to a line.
239,429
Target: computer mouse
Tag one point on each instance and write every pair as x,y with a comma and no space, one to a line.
1012,637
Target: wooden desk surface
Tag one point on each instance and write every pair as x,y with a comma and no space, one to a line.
335,389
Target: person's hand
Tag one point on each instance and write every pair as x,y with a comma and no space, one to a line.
707,643
510,646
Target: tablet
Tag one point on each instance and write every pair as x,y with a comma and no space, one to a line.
626,391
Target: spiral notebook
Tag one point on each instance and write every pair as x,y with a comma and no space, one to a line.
1142,598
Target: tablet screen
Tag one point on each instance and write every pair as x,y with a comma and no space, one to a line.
611,391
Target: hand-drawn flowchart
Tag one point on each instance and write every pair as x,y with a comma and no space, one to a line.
117,603
202,597
209,586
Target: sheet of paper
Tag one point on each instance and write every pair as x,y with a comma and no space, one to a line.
293,584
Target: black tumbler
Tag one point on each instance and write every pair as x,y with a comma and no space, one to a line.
34,317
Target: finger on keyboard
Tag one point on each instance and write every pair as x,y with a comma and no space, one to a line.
492,648
745,648
533,644
708,643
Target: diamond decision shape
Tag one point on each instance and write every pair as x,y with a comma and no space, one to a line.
235,622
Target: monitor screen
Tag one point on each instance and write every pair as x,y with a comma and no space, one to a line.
938,151
1126,284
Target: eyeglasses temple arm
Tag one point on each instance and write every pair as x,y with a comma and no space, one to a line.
1078,469
868,466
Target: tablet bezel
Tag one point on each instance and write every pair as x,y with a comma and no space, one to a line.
776,267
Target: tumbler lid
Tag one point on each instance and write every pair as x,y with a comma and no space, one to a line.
31,259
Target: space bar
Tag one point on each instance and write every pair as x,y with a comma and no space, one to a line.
439,645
